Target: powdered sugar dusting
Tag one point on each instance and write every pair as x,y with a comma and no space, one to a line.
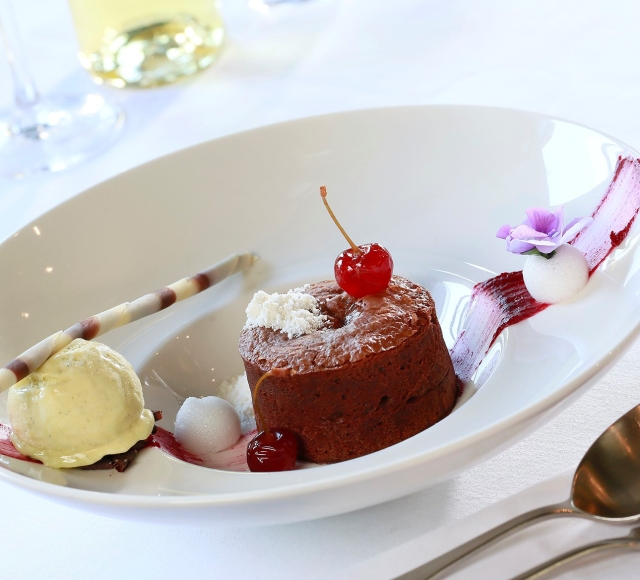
294,313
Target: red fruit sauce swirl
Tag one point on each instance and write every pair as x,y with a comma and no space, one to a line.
504,300
614,216
165,441
495,303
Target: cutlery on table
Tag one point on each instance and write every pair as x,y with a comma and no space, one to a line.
605,488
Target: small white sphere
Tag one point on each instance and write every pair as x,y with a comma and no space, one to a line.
207,425
557,278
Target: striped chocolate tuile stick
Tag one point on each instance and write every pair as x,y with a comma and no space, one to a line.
120,315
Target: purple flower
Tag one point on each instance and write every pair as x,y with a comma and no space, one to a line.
542,230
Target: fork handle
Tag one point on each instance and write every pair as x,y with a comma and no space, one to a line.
573,555
450,560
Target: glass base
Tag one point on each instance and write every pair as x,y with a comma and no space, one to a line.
54,134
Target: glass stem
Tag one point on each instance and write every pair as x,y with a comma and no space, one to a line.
25,92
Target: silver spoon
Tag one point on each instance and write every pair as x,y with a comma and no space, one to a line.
606,487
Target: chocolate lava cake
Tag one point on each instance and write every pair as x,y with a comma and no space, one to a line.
377,373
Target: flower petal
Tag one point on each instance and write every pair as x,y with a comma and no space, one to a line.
543,220
518,247
559,214
574,228
548,242
543,229
522,232
546,249
504,231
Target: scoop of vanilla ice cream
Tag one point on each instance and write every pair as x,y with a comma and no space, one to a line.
83,403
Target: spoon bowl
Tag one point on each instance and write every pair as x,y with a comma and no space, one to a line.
606,483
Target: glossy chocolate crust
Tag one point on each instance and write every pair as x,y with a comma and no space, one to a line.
400,382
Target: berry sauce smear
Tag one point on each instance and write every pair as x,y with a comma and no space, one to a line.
504,300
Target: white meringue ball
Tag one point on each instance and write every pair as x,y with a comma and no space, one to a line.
557,278
207,425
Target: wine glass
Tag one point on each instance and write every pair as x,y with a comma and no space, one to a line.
48,134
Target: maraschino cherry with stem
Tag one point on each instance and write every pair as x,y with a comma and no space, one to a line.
360,270
271,449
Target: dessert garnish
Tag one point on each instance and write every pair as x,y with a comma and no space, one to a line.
554,271
542,232
360,270
99,324
119,461
207,425
272,449
556,279
504,299
294,313
85,401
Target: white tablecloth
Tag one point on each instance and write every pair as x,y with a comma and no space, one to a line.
578,59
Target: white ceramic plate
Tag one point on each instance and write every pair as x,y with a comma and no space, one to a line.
432,184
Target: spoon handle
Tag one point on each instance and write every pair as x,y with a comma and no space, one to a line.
446,562
573,555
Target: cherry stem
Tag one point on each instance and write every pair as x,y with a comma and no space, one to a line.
323,193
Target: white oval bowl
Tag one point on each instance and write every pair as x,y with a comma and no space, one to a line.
430,183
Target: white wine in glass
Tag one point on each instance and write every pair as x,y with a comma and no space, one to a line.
143,43
48,134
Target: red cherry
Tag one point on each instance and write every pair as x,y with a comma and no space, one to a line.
367,272
360,270
272,450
